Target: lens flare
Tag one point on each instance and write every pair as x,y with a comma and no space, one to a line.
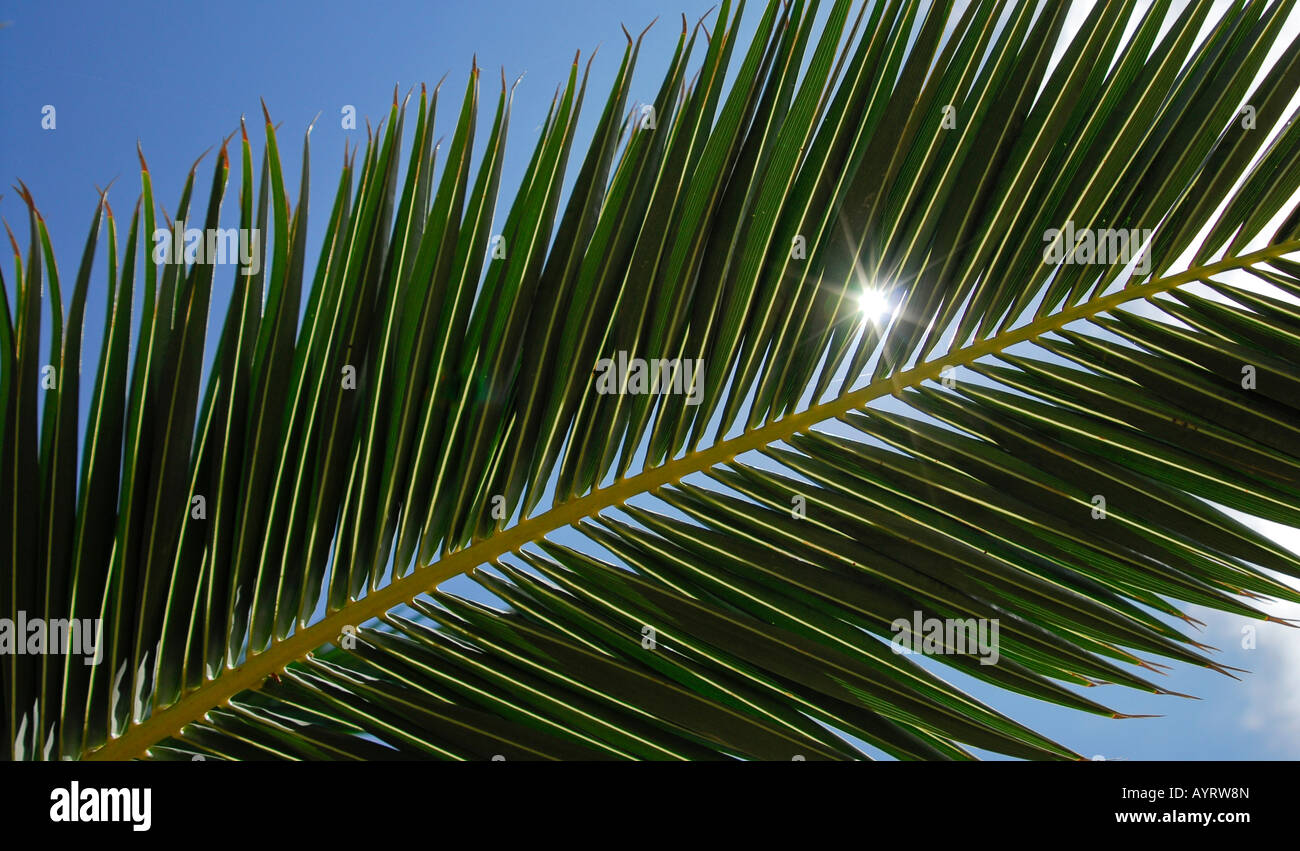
874,305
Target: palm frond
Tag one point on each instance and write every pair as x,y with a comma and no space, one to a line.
718,572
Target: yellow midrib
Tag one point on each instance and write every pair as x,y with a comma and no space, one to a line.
256,668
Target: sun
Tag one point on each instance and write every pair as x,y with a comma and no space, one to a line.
874,305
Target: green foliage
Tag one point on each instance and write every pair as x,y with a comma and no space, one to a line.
908,151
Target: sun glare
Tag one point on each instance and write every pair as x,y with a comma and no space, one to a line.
873,305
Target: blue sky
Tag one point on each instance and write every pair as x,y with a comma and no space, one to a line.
177,78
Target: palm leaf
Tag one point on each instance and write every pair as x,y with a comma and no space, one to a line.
638,575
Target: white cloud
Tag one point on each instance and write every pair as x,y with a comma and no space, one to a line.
1272,691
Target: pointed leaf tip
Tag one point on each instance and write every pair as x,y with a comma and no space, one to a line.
31,202
139,151
195,167
265,112
1223,669
224,143
626,33
17,252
